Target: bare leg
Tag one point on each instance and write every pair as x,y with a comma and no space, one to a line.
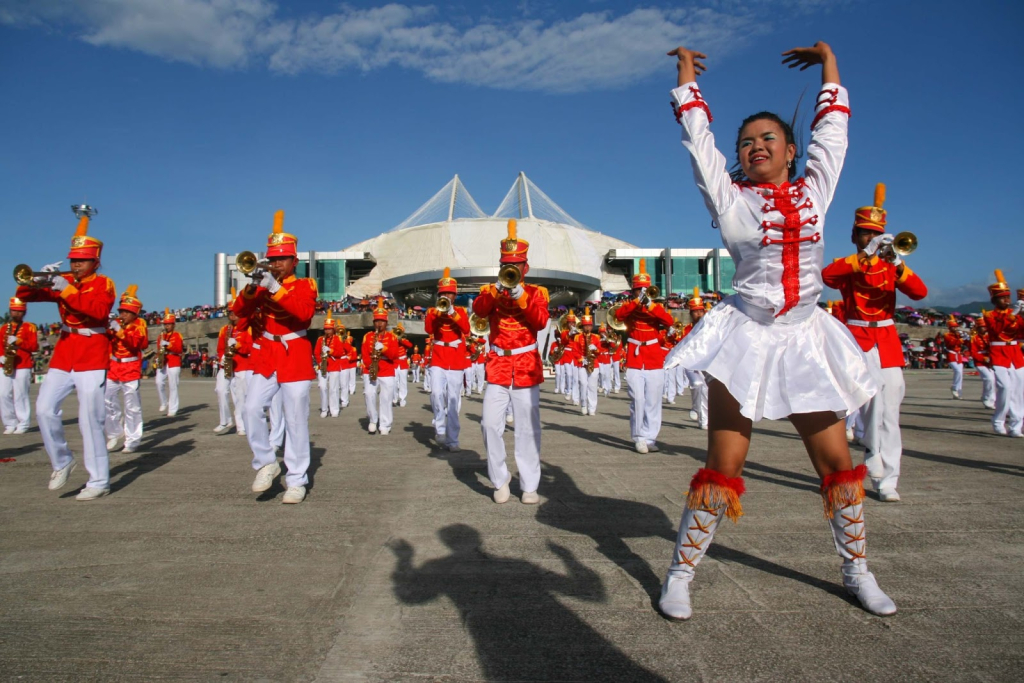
728,432
824,437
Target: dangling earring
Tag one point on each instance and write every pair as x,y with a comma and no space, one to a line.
789,163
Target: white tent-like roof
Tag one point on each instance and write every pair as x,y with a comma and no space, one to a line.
451,230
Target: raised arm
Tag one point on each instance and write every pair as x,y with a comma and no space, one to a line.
709,165
827,148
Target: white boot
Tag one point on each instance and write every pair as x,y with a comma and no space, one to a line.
695,533
847,525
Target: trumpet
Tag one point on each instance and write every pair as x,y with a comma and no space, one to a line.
478,325
509,275
903,244
248,264
25,276
443,305
649,295
399,332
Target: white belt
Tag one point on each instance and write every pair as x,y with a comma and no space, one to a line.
888,322
1009,343
125,360
284,338
638,344
83,331
514,352
451,344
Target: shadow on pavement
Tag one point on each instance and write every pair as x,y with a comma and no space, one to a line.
466,465
725,554
180,415
995,467
511,609
149,460
757,471
316,459
608,521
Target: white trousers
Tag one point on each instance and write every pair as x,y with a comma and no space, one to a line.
958,377
348,380
235,389
415,373
1009,399
446,402
167,388
645,389
616,376
380,392
480,374
330,393
525,403
698,395
588,388
295,404
89,386
402,384
559,378
15,408
605,377
669,388
127,422
988,385
426,379
573,383
883,443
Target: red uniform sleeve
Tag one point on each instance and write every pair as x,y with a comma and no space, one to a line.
29,338
94,302
318,346
299,300
244,340
626,309
222,341
484,303
461,318
390,348
837,272
536,311
430,321
175,343
910,284
37,294
659,312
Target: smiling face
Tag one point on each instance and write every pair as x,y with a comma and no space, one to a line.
763,152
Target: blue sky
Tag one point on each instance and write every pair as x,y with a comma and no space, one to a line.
188,122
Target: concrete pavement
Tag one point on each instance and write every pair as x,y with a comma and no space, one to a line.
398,567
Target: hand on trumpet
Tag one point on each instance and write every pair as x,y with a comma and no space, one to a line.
270,283
48,268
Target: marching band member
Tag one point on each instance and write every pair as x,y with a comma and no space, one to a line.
415,364
618,358
587,345
514,371
554,355
448,362
348,362
770,351
980,352
571,359
79,363
868,281
645,374
954,355
286,305
171,346
479,366
604,361
328,352
1005,329
21,340
236,338
129,337
380,353
695,378
667,339
428,357
402,367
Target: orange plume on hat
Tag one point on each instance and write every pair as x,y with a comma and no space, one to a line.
586,319
17,304
1000,287
695,303
279,242
513,249
872,217
380,313
168,317
447,284
641,278
83,246
130,300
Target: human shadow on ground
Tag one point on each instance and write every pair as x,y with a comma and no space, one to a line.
511,608
995,467
316,457
591,435
145,462
19,451
725,554
608,521
942,430
423,434
774,475
182,413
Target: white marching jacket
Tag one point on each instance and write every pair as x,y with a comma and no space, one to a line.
774,234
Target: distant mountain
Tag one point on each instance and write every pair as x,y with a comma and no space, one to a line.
973,307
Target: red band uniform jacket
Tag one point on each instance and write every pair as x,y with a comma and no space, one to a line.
1005,331
28,341
869,294
447,329
514,325
126,347
388,355
289,311
83,306
644,325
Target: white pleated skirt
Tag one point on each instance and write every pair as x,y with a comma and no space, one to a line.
776,370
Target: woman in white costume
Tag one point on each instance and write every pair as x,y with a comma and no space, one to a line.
769,350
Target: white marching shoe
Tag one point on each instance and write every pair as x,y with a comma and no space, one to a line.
265,477
530,498
220,429
848,533
9,430
641,446
60,477
372,428
696,529
294,494
112,442
502,495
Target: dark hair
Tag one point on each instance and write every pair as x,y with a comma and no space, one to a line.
736,172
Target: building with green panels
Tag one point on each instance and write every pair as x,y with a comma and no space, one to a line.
332,270
678,271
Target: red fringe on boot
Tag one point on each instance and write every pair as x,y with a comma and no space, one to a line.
842,489
710,490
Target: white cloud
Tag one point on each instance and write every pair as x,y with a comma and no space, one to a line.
591,51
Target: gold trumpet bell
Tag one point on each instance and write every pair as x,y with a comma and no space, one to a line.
478,325
23,274
613,322
904,243
247,262
509,275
